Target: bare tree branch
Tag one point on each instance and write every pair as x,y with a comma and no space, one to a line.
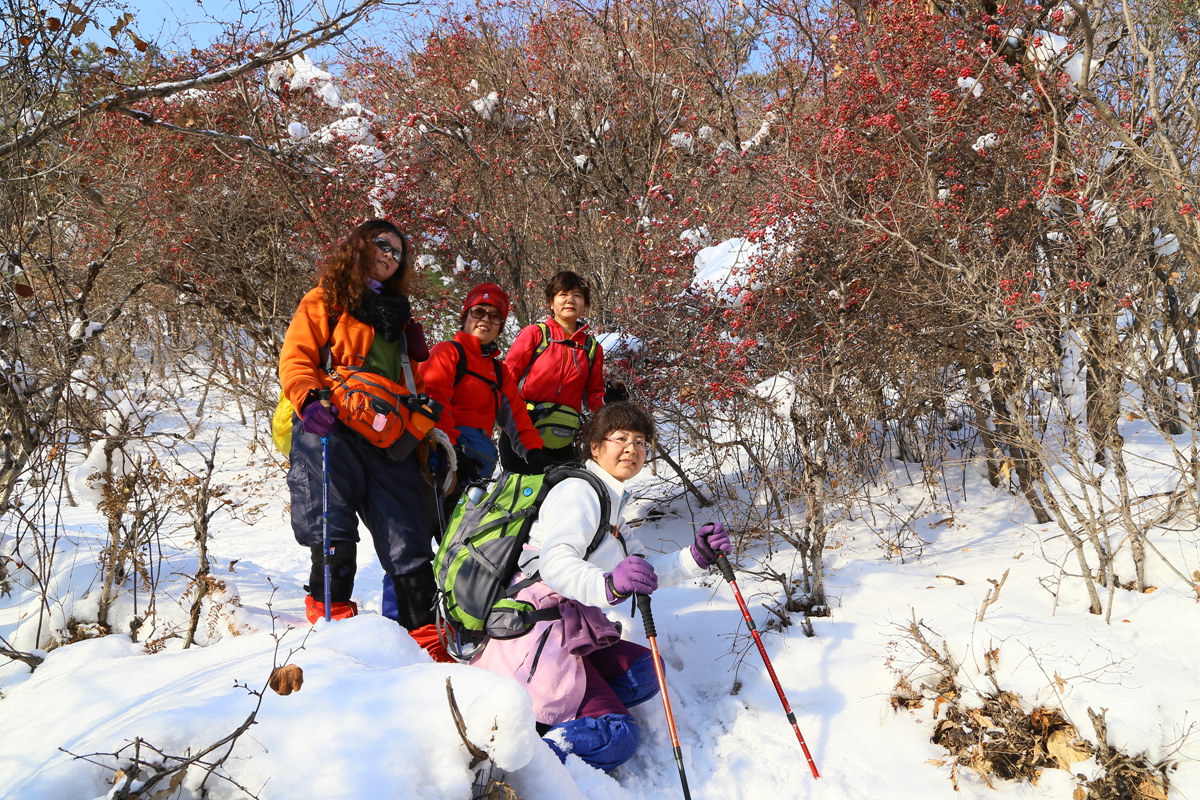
281,50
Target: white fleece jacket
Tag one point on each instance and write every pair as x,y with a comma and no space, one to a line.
564,528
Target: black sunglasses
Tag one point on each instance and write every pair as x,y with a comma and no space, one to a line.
386,246
479,312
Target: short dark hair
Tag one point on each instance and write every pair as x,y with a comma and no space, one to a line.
623,416
566,281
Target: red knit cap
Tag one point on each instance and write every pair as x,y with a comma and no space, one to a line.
487,294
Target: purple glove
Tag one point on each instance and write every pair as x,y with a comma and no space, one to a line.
414,337
632,575
319,418
712,540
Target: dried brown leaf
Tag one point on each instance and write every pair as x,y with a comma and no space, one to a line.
1005,469
499,790
1151,788
172,787
286,679
1065,747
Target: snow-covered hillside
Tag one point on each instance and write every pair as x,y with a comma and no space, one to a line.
373,720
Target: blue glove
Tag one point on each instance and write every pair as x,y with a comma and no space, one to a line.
319,418
712,540
632,575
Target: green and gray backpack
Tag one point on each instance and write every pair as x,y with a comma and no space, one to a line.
480,553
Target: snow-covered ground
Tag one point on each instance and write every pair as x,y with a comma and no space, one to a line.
372,719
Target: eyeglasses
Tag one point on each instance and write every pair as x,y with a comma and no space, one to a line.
479,312
386,246
639,444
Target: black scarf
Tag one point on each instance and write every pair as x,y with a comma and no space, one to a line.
386,313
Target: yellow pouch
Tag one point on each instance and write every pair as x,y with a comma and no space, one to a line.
281,424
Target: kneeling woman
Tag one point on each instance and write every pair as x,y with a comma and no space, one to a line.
582,677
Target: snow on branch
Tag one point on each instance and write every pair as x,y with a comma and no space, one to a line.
281,50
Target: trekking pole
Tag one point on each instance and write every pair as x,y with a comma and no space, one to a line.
324,396
727,571
643,604
438,499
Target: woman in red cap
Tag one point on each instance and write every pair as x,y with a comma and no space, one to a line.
467,376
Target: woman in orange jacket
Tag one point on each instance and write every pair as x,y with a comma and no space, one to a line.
468,378
357,324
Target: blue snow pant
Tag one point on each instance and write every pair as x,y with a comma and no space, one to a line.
604,734
390,496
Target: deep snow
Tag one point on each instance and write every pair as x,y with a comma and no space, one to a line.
372,719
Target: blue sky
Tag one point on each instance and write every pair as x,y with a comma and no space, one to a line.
183,23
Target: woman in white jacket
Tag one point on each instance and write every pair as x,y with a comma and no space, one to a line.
582,677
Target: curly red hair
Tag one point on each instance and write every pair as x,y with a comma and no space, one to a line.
345,270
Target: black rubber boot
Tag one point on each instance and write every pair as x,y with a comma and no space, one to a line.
343,562
415,593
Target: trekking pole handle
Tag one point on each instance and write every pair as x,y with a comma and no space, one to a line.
643,604
325,397
725,567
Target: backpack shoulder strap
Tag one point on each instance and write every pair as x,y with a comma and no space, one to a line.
327,348
537,351
461,370
545,342
604,528
590,345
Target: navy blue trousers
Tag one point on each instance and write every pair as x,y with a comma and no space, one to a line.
390,497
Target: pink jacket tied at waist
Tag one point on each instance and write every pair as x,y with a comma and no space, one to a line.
549,659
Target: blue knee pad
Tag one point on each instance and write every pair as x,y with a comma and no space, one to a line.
604,742
638,683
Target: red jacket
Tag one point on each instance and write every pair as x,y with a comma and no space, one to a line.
300,362
561,374
472,402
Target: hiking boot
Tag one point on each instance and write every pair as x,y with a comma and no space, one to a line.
314,609
427,637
